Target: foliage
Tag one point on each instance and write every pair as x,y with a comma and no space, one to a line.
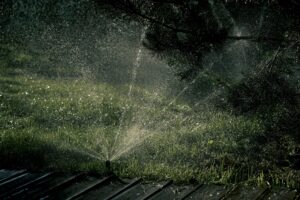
185,31
270,92
265,88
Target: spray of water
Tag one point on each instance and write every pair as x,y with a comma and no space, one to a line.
135,68
261,19
133,137
136,136
181,92
240,58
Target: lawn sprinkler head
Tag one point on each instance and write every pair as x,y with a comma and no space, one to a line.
107,166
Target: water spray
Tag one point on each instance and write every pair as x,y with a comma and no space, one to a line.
136,66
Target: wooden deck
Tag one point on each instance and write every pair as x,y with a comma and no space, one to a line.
26,185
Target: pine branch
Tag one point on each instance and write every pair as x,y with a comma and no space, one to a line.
261,38
128,7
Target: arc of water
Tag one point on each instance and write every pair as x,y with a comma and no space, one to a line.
115,155
244,54
126,149
181,92
261,19
136,66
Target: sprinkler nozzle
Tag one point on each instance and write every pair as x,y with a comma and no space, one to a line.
107,165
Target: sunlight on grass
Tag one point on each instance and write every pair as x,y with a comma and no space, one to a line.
63,124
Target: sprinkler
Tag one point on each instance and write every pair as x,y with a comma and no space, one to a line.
107,166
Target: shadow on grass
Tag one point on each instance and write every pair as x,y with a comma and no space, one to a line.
26,152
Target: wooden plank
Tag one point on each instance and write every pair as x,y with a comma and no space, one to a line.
26,185
15,178
39,188
172,192
126,187
156,190
61,184
210,192
246,193
229,192
137,191
4,174
189,193
89,188
16,184
14,174
105,190
282,193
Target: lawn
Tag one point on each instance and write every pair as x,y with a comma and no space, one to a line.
71,123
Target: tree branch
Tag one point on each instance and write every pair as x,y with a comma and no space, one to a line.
129,9
261,38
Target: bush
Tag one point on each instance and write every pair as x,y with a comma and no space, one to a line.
271,95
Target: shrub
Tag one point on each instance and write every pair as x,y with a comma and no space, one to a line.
270,94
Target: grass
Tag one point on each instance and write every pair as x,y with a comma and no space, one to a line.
70,124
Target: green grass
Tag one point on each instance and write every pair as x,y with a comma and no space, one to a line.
69,124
